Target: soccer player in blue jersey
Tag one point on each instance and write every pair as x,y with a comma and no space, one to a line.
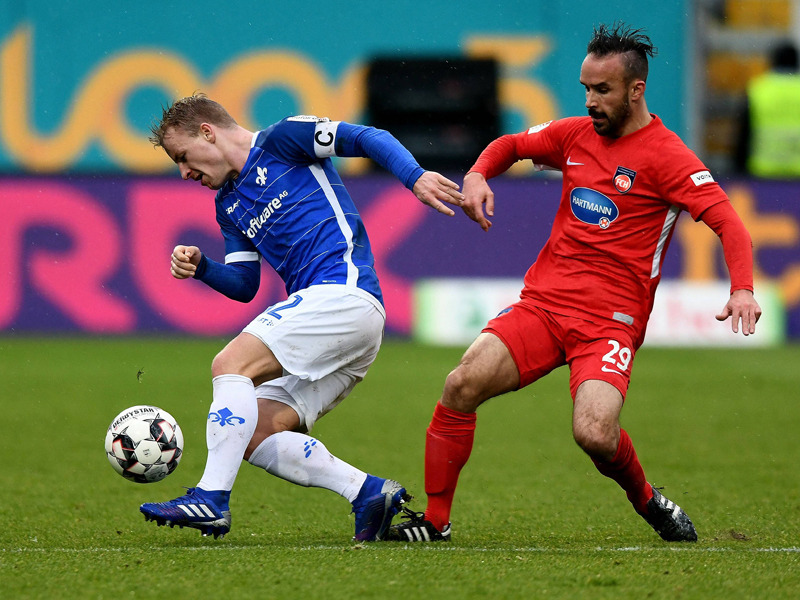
280,199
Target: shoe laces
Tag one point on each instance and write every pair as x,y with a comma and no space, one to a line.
189,496
411,516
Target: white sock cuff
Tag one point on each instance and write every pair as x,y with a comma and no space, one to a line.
231,378
261,456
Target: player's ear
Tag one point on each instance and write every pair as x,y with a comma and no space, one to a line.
207,132
637,89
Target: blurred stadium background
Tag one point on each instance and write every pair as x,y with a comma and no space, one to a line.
89,210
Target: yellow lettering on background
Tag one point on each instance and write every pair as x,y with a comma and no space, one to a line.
782,231
241,80
28,148
701,246
520,52
351,101
113,83
767,230
96,113
516,89
97,109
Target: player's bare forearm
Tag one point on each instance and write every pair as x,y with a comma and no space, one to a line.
433,189
477,193
184,261
741,306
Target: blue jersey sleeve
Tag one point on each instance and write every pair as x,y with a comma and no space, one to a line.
238,281
382,147
240,276
304,139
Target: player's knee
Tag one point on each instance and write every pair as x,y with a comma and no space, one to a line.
460,391
224,364
264,430
596,441
255,442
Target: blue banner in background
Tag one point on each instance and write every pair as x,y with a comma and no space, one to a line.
81,81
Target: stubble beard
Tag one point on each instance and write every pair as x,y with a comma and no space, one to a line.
614,122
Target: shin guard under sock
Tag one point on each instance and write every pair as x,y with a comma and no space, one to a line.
448,445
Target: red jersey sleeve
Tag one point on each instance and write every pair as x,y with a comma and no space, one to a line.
540,144
736,243
685,181
497,158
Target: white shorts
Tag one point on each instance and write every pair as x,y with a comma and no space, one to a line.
325,337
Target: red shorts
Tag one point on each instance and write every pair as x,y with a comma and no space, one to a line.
540,341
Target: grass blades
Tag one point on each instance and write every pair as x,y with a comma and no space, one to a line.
532,518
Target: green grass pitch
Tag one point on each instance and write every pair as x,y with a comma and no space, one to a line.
532,518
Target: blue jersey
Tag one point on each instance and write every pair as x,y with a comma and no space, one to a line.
289,205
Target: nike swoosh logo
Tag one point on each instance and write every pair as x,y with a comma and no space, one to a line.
607,370
569,161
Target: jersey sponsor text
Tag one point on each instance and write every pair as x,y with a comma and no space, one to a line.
592,207
702,177
258,222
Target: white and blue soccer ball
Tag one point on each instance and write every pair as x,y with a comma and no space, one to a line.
144,443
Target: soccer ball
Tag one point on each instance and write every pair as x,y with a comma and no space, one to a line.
144,444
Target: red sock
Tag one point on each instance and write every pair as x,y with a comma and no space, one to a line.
628,473
447,447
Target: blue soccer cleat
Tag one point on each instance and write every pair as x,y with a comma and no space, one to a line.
199,509
378,501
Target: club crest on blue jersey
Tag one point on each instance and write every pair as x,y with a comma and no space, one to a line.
623,179
592,207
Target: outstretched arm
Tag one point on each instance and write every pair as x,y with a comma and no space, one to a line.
737,247
381,146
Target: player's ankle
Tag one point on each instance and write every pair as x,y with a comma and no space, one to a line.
436,520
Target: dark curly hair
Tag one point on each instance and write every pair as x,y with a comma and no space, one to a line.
620,38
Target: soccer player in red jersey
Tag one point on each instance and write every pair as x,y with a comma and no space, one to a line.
587,298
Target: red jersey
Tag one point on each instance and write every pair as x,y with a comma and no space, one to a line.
620,200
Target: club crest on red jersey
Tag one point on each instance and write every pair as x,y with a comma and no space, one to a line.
623,179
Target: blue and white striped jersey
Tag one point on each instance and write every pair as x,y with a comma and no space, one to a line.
289,205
